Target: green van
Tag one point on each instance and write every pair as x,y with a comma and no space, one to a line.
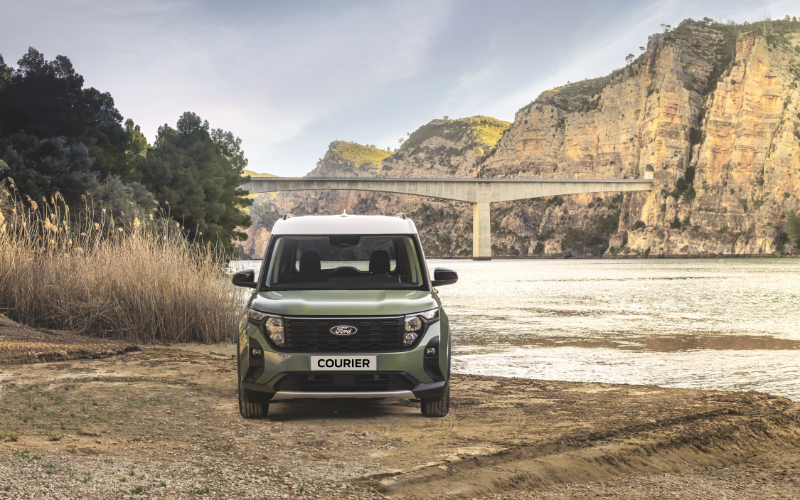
343,307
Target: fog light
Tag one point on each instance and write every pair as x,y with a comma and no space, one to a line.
430,351
257,353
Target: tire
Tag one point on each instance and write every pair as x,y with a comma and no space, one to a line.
247,408
251,409
437,407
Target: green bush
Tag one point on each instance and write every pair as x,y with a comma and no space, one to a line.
595,239
684,187
792,227
689,194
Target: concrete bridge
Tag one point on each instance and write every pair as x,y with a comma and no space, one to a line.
480,192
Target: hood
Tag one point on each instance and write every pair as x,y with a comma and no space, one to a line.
344,302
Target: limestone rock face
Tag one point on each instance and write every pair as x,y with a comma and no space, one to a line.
723,138
749,161
714,109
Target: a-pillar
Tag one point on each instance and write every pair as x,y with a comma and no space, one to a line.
481,232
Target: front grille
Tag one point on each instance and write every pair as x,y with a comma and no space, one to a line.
313,334
359,382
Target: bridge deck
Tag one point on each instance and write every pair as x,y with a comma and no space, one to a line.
480,192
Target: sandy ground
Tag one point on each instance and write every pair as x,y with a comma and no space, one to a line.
163,422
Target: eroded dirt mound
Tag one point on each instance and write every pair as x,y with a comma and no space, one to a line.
20,344
569,433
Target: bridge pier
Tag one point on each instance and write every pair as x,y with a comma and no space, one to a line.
481,231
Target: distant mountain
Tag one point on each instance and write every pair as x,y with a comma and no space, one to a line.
714,107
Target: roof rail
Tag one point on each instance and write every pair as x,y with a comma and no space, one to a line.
287,215
401,215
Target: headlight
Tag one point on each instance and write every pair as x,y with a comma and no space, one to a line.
430,315
275,330
256,316
415,323
272,324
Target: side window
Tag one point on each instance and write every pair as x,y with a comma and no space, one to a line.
414,273
277,263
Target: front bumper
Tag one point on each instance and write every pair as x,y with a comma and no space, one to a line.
265,383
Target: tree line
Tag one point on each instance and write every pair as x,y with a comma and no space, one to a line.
57,136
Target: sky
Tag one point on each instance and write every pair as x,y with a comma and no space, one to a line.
291,77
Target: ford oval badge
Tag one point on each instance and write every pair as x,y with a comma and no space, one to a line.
343,330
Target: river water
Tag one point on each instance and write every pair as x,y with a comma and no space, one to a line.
730,324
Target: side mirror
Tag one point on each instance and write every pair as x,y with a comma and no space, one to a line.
245,278
444,276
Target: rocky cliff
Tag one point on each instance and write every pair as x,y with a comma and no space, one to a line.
713,107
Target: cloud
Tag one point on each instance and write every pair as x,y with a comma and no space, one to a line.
289,77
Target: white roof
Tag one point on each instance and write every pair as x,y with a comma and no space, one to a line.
344,224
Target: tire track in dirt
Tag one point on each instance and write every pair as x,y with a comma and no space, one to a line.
714,438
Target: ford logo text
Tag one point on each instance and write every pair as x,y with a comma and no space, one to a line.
343,330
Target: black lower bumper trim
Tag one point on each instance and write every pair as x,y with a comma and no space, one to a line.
432,390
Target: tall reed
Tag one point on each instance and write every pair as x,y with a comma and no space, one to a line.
135,277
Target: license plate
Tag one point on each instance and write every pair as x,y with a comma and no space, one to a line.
344,363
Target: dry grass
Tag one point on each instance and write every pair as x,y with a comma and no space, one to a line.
139,280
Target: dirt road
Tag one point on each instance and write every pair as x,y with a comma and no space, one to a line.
163,422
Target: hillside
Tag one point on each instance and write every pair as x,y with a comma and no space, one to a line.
714,107
348,159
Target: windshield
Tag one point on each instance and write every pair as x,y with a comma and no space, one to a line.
344,262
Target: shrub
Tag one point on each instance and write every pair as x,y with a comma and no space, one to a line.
595,239
689,194
792,227
144,281
555,200
638,225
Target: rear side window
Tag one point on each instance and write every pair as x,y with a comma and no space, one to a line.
342,262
